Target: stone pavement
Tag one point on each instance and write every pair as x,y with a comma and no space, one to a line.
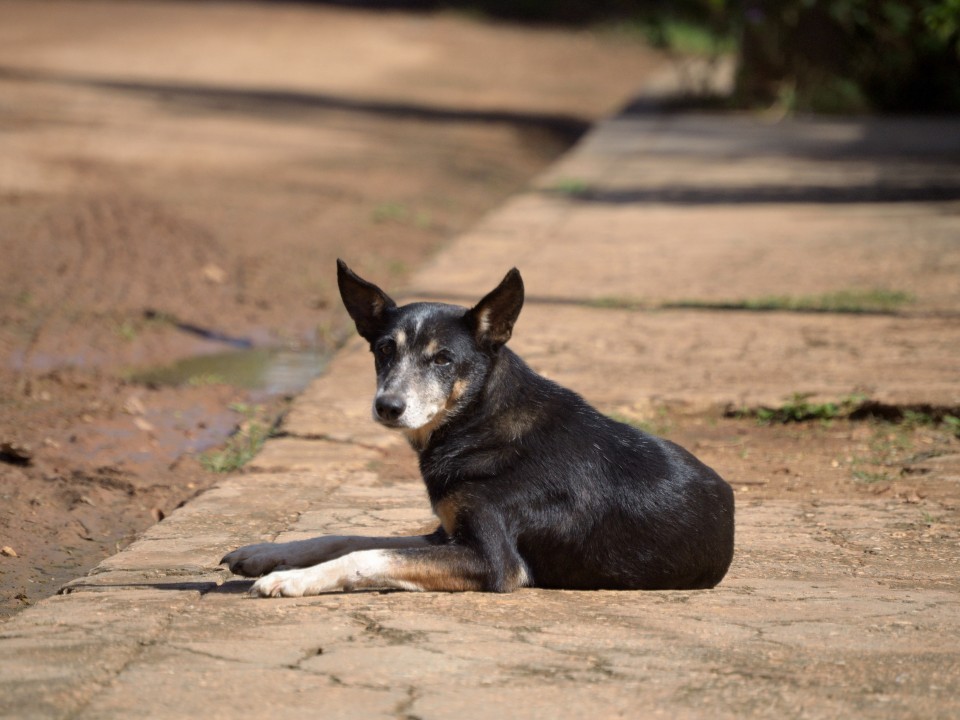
819,616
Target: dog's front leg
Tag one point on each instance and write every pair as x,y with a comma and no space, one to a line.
262,558
447,568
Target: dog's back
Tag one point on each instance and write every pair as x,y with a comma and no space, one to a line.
588,502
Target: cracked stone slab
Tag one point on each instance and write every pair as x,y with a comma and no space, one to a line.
61,654
619,358
322,457
211,690
812,621
798,208
888,543
185,548
367,508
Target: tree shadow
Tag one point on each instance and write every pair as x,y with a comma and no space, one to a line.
262,101
768,194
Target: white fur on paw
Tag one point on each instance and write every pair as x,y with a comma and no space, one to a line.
365,568
286,583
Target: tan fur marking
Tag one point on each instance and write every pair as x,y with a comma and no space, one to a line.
457,391
431,349
447,510
433,577
400,338
516,424
443,575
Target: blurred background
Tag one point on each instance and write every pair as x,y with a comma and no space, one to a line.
807,55
177,179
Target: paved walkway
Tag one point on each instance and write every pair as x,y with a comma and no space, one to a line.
650,211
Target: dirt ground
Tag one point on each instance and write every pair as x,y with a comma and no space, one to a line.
177,180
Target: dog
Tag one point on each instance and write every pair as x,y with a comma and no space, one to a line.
532,486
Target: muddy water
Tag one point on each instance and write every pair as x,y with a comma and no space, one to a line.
267,372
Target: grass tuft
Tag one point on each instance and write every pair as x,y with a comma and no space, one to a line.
799,409
243,445
677,35
571,187
953,423
876,300
613,302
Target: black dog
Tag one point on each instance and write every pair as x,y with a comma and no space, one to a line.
533,487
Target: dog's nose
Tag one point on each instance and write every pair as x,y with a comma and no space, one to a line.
389,407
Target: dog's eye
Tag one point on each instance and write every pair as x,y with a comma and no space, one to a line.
442,358
386,349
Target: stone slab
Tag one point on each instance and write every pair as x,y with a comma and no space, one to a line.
720,208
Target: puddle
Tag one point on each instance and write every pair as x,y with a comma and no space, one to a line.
263,370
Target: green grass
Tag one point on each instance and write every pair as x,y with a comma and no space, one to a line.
204,379
614,302
400,213
573,187
243,445
676,35
798,408
240,449
912,419
876,300
953,423
390,212
248,410
871,478
127,330
893,444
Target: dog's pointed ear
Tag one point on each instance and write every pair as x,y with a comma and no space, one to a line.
491,320
367,304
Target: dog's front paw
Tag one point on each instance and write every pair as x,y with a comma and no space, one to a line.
285,583
262,558
253,560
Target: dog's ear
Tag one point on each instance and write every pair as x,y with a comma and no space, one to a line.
491,320
367,304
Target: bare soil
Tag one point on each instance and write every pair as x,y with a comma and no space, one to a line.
178,177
